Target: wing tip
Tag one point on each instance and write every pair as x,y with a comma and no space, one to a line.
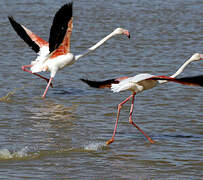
190,81
100,84
90,83
67,6
21,32
70,4
59,25
11,20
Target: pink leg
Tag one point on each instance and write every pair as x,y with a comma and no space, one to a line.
45,92
26,66
131,121
119,108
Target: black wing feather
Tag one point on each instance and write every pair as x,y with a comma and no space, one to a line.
100,84
193,81
196,80
59,26
22,33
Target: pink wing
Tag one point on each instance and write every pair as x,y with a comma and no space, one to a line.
39,41
60,32
64,47
34,41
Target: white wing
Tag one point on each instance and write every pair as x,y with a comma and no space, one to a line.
135,83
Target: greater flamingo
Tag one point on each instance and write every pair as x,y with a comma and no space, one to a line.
142,82
55,54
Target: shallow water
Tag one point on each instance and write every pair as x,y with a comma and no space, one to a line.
63,136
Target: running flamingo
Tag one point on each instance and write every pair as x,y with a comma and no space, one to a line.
142,82
55,54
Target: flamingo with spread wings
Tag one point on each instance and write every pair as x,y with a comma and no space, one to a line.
142,82
55,54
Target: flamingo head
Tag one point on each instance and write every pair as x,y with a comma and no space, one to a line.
118,31
197,57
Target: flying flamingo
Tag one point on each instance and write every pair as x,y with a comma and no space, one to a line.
142,82
55,54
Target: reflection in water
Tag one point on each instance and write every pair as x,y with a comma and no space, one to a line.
54,124
43,139
52,111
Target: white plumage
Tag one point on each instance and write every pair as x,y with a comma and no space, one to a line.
55,54
142,82
136,83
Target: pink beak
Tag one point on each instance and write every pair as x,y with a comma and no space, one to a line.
126,32
201,56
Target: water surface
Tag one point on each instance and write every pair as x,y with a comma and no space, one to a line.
63,136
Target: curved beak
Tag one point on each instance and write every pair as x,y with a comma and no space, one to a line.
127,33
201,56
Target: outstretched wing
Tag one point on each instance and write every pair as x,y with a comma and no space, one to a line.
103,84
61,29
191,81
64,47
34,41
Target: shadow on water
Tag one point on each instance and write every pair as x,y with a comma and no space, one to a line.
69,91
181,136
55,136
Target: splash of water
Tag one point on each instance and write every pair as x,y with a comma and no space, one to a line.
7,97
94,146
6,154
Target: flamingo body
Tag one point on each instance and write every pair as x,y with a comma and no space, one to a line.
136,83
55,54
142,82
52,65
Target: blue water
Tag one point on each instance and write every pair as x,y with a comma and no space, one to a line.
64,135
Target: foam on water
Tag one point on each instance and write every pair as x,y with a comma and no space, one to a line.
7,154
28,153
94,146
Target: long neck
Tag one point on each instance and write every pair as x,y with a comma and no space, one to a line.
179,71
93,48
